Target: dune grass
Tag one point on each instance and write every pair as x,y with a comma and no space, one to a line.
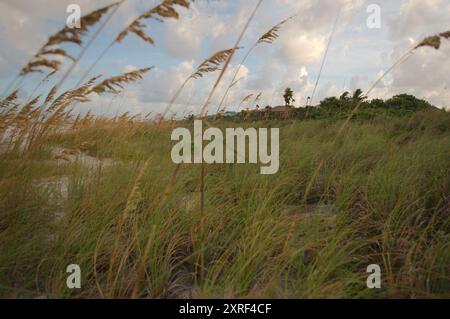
382,196
104,194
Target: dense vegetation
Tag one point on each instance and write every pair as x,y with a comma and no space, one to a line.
132,219
333,108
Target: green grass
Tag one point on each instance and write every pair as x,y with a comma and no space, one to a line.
381,196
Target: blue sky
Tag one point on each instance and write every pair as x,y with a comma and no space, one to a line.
357,54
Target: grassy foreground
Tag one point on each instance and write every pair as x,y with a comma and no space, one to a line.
106,196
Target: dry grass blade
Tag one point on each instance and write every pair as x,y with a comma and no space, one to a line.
235,82
75,95
212,64
44,80
272,34
110,85
47,77
10,100
74,35
51,95
28,109
445,35
76,122
136,27
36,65
95,16
162,11
434,41
245,100
56,51
258,97
42,58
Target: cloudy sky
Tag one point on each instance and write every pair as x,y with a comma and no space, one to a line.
357,54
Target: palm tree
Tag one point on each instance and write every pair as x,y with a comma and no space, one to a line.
288,96
357,95
344,95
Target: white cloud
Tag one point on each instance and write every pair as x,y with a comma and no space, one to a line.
303,48
356,55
